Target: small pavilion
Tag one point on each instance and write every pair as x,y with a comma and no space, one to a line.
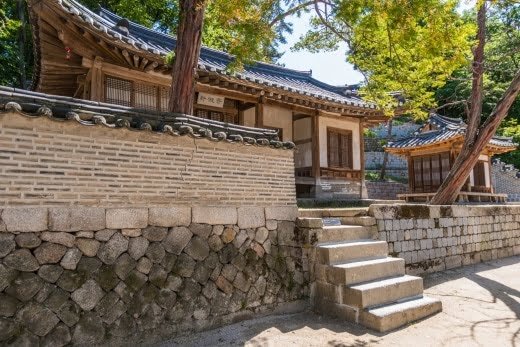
431,153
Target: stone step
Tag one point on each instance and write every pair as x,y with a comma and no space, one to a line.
360,271
358,220
337,252
345,233
333,309
333,212
382,291
395,315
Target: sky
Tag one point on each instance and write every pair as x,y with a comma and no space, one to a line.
328,67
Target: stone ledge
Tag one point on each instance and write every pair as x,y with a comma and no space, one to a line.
25,219
126,218
78,218
289,213
214,215
169,216
251,217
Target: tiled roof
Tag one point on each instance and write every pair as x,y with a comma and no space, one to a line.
90,113
161,44
445,129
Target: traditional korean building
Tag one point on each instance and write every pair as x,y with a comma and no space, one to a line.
431,153
105,58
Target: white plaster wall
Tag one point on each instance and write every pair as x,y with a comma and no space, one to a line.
488,179
302,129
345,124
278,117
249,117
303,155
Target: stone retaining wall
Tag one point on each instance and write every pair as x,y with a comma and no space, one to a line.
385,190
88,275
49,162
434,238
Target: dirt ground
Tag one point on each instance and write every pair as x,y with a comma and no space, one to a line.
481,307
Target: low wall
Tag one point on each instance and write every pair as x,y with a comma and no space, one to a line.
385,190
90,275
434,238
64,162
374,161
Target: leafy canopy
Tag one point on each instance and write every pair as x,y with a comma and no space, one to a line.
408,47
502,63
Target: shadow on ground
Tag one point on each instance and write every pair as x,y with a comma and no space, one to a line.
481,307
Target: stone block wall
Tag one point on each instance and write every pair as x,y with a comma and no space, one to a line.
89,275
506,182
435,238
385,190
374,161
49,162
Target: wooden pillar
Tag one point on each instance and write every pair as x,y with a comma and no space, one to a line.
411,173
259,114
240,119
96,84
315,133
490,164
362,156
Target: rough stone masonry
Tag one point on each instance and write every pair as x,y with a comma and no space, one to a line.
435,238
90,275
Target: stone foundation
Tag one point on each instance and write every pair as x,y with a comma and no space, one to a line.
435,238
89,275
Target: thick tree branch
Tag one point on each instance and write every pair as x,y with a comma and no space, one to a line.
475,110
290,12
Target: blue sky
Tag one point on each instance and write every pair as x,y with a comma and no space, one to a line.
329,67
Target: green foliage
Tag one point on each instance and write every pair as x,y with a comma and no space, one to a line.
11,61
511,128
410,47
369,133
160,15
502,63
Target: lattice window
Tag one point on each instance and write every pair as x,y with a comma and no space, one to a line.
339,148
118,91
216,115
145,96
429,171
165,99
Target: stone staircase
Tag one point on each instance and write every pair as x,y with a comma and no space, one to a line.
357,281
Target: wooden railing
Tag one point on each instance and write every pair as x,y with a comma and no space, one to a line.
329,172
340,173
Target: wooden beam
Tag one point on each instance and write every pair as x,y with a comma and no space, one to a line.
96,84
259,114
151,66
143,64
225,92
126,55
361,156
131,74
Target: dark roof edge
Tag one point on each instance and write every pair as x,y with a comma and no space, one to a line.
61,108
215,53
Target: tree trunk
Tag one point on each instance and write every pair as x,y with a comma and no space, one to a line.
477,137
385,155
187,50
22,41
